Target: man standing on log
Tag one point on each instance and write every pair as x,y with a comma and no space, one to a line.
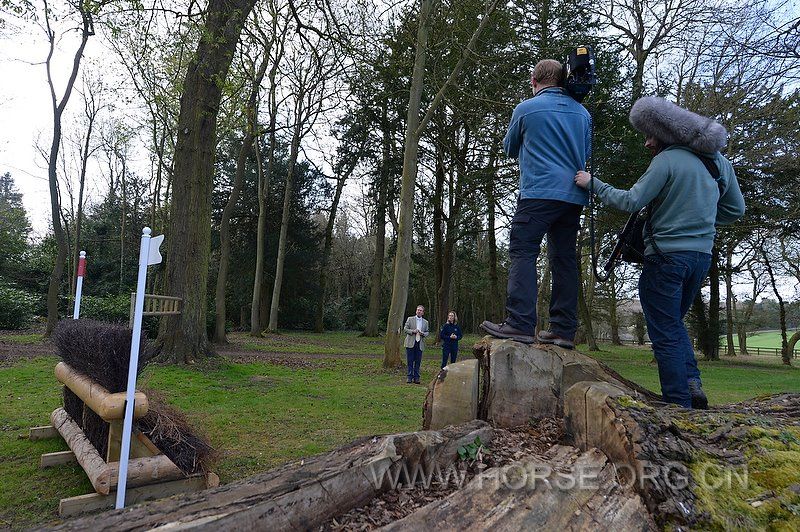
551,135
688,189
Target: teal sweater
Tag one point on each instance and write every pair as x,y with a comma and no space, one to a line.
687,204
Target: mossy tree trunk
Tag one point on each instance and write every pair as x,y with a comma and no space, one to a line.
184,338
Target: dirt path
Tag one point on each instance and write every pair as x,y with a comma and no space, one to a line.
13,352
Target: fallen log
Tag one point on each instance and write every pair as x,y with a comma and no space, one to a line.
513,384
568,490
734,466
301,495
656,465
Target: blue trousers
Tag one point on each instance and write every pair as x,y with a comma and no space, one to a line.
449,352
414,360
667,289
560,221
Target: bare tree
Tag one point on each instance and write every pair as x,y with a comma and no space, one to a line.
785,355
91,108
312,72
353,146
279,29
249,137
414,129
58,105
643,28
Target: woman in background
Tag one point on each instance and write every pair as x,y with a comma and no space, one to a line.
450,335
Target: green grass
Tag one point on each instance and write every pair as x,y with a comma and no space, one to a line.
330,343
767,339
257,415
23,339
724,381
262,414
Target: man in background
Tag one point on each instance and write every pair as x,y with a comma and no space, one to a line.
416,329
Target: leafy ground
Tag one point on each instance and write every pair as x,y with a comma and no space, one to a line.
269,400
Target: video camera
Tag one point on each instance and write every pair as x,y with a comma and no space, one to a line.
578,74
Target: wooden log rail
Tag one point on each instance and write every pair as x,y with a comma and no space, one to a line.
107,405
102,475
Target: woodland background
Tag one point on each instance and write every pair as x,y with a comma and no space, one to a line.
325,165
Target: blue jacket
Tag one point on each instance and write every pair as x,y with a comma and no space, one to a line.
551,135
447,330
687,204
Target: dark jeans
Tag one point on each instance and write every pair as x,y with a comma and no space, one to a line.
560,221
667,289
414,360
449,352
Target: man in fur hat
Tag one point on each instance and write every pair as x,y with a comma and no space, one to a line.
686,202
550,134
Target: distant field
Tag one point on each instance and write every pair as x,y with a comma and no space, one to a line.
760,339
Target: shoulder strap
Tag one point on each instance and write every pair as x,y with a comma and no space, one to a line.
713,169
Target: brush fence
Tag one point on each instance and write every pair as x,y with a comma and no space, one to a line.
151,474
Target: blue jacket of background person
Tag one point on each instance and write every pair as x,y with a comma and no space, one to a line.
551,135
447,330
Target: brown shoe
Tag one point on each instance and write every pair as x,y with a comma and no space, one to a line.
506,331
546,337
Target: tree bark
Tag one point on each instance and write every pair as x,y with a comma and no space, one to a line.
287,202
730,350
54,286
319,319
402,261
495,304
251,114
613,320
786,356
438,215
91,114
184,337
414,129
258,308
376,278
543,299
452,231
583,306
713,308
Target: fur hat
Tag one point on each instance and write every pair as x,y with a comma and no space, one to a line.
657,117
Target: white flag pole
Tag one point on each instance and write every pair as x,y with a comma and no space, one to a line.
76,311
127,427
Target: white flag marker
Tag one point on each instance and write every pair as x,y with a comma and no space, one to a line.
76,311
148,254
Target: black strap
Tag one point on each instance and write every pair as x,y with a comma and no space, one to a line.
713,169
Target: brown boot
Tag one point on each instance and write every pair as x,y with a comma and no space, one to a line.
506,331
546,337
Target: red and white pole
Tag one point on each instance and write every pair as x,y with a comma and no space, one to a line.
76,311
